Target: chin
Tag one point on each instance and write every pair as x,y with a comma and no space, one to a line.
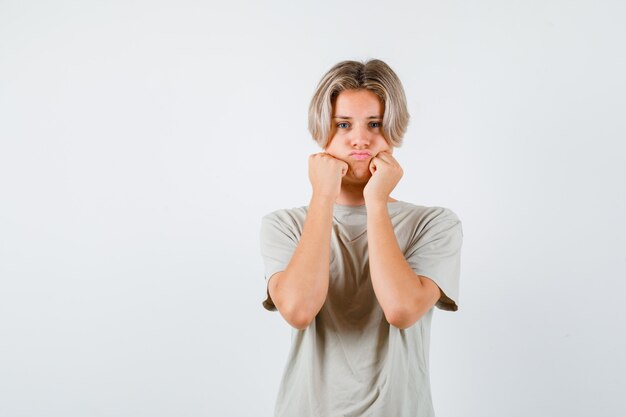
360,177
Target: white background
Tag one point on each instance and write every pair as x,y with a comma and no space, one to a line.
141,143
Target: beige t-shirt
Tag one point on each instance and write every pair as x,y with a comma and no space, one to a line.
350,361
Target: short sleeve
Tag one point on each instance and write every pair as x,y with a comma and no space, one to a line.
435,252
278,243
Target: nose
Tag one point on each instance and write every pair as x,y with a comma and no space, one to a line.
361,137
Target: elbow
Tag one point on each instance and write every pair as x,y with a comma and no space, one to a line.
297,311
300,325
296,315
401,319
408,312
297,318
400,324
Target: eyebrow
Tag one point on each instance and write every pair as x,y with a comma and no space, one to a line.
346,117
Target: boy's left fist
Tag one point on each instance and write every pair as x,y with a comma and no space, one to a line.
386,173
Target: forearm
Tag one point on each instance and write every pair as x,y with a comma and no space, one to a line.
397,287
303,287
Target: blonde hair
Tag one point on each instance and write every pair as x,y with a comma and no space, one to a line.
373,75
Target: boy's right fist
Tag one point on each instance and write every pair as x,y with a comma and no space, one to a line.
325,174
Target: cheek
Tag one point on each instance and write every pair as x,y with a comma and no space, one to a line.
384,146
330,148
330,144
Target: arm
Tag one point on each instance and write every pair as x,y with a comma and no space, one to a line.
403,295
299,292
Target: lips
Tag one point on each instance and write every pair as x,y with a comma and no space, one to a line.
360,155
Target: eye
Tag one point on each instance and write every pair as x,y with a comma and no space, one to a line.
342,125
375,125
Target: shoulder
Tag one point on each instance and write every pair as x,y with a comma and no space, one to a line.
292,218
284,214
416,224
424,215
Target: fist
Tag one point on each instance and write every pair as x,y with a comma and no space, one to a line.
386,173
325,174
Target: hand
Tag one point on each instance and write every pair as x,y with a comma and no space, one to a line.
386,173
325,174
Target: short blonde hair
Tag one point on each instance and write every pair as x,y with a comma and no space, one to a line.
373,75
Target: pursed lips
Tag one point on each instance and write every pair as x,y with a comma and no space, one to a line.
360,155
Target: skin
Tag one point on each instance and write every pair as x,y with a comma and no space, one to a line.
337,177
357,126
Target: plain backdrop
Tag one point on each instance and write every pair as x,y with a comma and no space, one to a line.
141,143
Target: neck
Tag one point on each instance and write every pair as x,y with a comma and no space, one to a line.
352,195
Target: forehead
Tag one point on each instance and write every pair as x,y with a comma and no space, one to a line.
358,103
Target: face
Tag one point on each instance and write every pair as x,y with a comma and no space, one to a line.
356,132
